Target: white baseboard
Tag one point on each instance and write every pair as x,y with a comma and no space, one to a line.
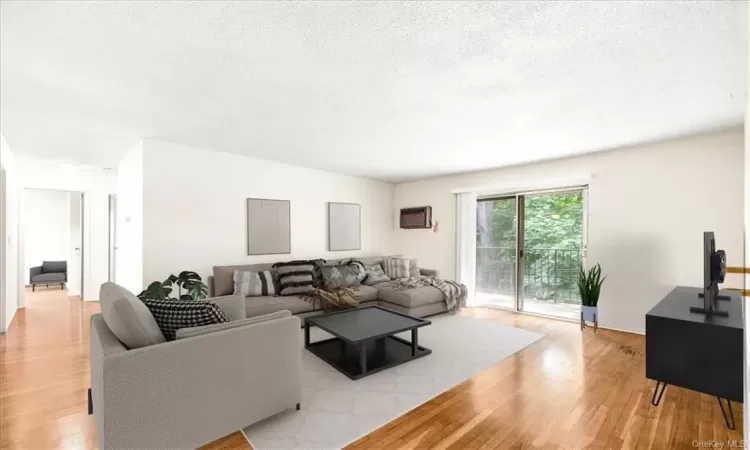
642,333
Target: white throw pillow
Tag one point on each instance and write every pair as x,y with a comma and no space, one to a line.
396,268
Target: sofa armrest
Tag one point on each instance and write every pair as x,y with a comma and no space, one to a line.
34,271
184,333
154,396
103,343
429,273
233,306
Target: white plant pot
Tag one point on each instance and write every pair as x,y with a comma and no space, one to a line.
590,313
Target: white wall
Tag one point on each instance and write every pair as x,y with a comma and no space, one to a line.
129,234
194,208
747,217
96,186
10,297
648,207
46,228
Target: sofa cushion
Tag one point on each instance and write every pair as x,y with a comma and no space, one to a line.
128,317
371,260
224,276
183,333
232,305
48,278
54,266
258,306
366,293
409,298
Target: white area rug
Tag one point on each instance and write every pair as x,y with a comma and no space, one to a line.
337,411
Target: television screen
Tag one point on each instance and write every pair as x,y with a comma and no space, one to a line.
709,246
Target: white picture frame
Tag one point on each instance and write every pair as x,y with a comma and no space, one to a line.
344,226
269,230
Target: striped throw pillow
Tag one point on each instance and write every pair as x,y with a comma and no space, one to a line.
253,284
295,277
396,267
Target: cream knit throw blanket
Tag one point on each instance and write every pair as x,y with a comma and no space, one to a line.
455,293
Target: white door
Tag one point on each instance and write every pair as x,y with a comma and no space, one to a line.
3,281
76,243
112,236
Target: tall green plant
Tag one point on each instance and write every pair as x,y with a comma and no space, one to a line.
189,285
590,285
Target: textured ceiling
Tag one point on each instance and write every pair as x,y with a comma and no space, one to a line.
391,91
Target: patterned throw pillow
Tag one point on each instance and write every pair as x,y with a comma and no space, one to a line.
359,267
317,276
253,284
171,314
375,275
396,268
341,276
295,277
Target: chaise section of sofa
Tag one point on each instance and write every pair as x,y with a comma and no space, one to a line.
419,302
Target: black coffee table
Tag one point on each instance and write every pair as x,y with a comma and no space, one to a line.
364,341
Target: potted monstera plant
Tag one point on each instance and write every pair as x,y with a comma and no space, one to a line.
189,286
590,286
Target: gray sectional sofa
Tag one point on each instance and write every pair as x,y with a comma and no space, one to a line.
419,302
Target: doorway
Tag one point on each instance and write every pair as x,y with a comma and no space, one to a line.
53,246
530,247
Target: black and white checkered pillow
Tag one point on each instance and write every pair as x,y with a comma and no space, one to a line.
171,314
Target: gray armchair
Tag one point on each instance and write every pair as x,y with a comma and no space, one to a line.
50,272
212,380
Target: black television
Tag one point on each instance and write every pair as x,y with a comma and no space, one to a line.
714,271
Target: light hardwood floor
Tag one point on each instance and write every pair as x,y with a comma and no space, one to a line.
568,390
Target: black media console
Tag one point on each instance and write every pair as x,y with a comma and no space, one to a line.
695,351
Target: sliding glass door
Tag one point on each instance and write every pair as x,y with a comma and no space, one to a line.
529,249
496,278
